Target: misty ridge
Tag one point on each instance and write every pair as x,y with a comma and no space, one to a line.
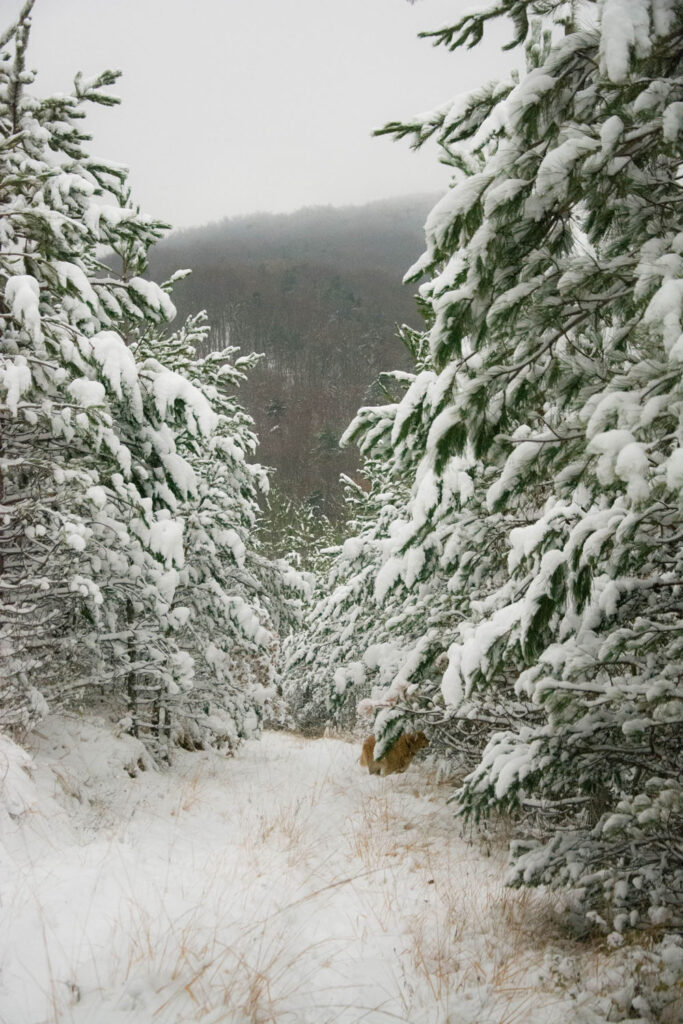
319,293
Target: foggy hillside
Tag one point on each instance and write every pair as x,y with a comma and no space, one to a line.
319,293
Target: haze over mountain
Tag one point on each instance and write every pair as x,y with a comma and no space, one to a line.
319,293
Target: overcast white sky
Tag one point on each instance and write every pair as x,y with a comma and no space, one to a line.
234,106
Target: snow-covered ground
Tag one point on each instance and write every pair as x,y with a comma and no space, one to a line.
284,885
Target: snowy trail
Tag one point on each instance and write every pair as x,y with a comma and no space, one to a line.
283,885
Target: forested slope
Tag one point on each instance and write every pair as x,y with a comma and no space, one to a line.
318,292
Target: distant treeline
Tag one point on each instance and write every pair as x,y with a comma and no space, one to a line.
319,293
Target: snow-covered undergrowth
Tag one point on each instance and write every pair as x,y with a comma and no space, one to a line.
283,885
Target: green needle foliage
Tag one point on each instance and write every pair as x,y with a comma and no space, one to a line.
540,544
128,570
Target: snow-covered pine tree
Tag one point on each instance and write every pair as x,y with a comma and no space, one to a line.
554,306
296,531
324,676
231,602
109,459
364,623
440,554
59,359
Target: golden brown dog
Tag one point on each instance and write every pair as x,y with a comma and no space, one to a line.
397,758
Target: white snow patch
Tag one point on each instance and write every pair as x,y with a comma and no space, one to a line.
524,540
17,790
87,392
22,295
118,367
674,470
666,309
632,466
170,387
625,29
456,202
672,121
15,377
166,539
284,884
153,296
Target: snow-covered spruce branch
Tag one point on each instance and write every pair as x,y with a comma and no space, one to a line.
130,557
520,543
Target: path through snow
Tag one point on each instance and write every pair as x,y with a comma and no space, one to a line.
284,885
